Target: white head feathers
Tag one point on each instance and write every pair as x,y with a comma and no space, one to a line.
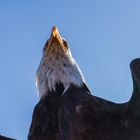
57,66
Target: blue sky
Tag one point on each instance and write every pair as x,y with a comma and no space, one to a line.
103,37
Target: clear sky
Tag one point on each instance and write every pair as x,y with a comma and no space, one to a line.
104,36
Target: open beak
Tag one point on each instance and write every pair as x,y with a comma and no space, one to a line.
55,38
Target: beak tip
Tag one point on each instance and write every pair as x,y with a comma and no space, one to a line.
55,31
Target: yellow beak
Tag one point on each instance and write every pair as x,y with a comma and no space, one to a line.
55,38
55,31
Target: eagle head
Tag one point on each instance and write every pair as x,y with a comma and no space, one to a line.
57,66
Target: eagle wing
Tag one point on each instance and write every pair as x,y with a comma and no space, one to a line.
77,115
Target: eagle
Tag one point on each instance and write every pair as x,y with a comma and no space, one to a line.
67,110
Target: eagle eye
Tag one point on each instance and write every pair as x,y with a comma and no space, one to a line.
46,44
65,44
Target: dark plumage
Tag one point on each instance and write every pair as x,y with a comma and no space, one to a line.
78,115
5,138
